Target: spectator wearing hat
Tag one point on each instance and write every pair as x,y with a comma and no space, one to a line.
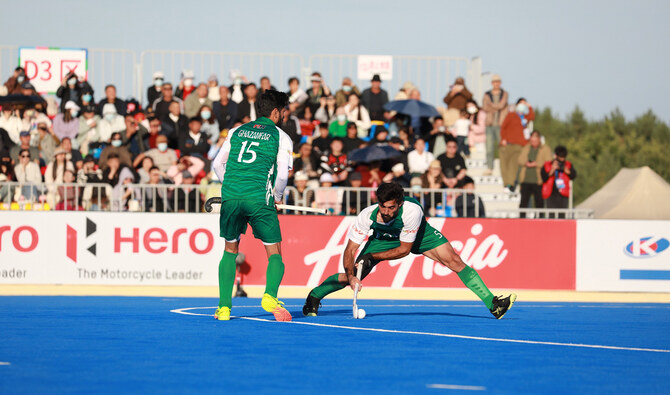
355,199
24,144
194,102
467,202
494,104
247,109
53,175
404,91
117,148
326,196
66,124
342,95
13,83
161,105
338,128
163,157
154,90
358,114
194,143
326,111
302,196
110,98
175,125
456,99
110,123
307,161
319,89
27,172
453,165
374,98
352,141
321,143
225,110
419,159
186,85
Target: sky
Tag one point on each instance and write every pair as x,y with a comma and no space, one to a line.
598,55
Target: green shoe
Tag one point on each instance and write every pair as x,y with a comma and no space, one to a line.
274,306
501,305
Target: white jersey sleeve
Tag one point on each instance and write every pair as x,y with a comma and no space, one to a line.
284,164
359,231
219,162
412,215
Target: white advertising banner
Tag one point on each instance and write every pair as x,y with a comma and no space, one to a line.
109,248
369,65
46,67
623,255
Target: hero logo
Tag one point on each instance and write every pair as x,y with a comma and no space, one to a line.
646,247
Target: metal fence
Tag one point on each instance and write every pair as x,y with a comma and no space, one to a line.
191,198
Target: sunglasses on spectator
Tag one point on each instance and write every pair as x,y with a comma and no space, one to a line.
24,156
42,128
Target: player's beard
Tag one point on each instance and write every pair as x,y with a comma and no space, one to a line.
280,122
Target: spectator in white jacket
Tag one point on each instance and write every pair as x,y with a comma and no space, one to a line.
27,172
418,160
358,114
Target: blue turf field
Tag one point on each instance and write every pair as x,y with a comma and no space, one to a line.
141,345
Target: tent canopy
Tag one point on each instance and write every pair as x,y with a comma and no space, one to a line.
632,194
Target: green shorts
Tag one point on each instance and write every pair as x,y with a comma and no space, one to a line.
427,238
236,214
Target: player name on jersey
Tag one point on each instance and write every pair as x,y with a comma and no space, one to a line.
254,135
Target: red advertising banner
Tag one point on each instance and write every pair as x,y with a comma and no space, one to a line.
507,253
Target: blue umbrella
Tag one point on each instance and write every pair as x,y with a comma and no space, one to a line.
373,153
413,108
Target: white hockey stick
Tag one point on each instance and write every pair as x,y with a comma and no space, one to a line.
358,276
217,200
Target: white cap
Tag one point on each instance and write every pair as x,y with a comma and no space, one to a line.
108,108
326,177
397,168
157,75
70,105
186,74
300,176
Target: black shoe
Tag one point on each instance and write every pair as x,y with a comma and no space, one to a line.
501,305
311,307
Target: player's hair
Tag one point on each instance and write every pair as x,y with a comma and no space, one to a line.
269,100
390,191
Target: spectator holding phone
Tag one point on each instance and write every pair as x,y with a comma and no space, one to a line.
556,177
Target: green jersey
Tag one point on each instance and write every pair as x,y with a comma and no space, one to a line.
250,160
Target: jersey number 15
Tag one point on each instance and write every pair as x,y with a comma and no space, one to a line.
247,150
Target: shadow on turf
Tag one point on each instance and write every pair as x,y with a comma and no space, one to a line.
403,314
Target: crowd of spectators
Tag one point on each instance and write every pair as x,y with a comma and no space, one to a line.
170,140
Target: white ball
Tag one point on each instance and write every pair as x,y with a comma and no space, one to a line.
361,314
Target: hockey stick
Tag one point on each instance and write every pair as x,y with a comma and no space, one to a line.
217,200
358,276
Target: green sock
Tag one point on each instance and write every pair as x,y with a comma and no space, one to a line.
227,270
328,286
274,274
472,280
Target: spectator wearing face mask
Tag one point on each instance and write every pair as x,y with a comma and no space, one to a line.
154,91
512,140
66,124
14,82
210,126
110,123
342,95
339,127
68,90
117,148
162,156
186,86
110,98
